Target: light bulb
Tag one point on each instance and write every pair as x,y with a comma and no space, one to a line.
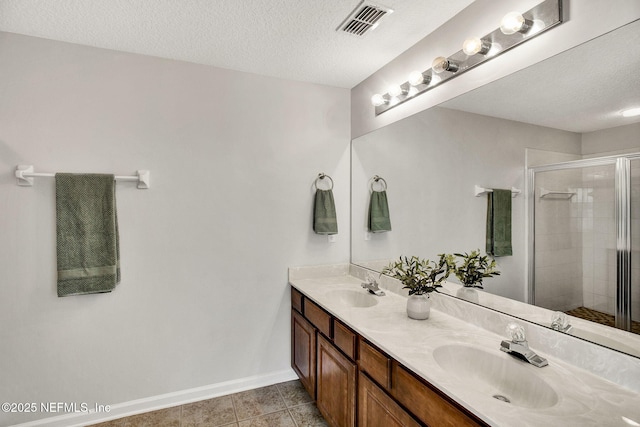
394,90
631,113
417,78
513,22
474,45
378,100
441,64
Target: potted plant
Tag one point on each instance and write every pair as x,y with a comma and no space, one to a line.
473,268
421,277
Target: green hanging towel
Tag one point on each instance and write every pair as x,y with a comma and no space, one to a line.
324,213
87,234
379,220
499,223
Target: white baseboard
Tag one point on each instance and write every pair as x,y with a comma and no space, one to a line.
154,403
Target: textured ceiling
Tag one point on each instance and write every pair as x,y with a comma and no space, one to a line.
291,39
581,90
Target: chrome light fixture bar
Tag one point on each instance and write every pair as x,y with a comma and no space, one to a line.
515,28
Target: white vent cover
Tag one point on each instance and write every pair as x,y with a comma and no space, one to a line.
363,18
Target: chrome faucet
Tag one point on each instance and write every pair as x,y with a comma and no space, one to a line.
372,286
519,347
560,322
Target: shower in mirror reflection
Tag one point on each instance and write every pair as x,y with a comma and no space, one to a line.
577,265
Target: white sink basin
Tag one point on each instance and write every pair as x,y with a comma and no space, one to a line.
496,375
353,298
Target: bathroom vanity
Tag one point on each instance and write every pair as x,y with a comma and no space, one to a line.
342,358
366,363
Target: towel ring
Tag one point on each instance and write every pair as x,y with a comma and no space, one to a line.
323,176
377,179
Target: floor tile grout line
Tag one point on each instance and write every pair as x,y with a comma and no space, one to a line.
284,401
233,405
295,423
311,402
263,414
286,405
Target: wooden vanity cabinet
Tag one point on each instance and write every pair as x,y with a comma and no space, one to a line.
336,385
377,409
303,351
404,389
318,317
375,363
355,383
323,353
427,403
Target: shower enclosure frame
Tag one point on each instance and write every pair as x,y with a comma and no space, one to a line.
622,201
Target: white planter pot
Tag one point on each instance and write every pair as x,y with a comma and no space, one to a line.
419,306
468,294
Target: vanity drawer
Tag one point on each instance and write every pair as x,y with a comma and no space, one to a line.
296,300
375,363
429,405
344,338
320,318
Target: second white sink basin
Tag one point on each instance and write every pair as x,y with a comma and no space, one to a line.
496,375
353,298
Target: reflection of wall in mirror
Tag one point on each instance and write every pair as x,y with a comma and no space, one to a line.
432,161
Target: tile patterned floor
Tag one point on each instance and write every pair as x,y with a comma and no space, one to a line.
599,317
281,405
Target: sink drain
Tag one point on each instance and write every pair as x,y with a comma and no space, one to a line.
501,398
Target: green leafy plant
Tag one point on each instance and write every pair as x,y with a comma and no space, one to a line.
420,276
473,269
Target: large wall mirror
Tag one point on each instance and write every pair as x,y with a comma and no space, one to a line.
564,109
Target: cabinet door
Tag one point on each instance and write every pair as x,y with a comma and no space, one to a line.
425,403
377,409
336,381
303,352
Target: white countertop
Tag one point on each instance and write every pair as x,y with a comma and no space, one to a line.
584,399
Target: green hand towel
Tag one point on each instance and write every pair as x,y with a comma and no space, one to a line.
379,220
324,213
87,234
499,223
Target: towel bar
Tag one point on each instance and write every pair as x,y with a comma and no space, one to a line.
480,191
25,175
567,194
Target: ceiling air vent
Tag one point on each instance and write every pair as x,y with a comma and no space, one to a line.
364,17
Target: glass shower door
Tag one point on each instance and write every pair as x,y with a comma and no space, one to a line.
575,251
634,291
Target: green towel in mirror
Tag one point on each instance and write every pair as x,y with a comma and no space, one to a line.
324,213
379,220
499,223
86,234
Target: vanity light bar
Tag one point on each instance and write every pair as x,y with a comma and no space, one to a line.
514,29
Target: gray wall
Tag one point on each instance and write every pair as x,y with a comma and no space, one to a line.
614,140
204,296
431,162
